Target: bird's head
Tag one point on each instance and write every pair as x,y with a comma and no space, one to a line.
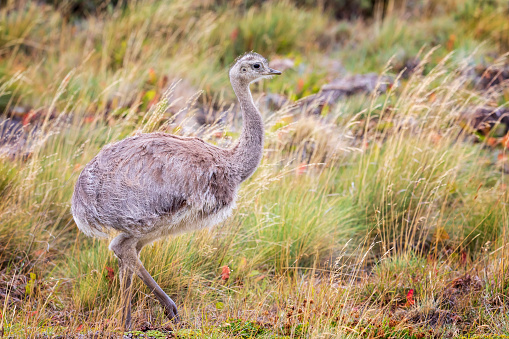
251,67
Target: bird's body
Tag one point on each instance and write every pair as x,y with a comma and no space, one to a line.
152,185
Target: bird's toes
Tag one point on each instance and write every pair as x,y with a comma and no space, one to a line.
172,312
175,316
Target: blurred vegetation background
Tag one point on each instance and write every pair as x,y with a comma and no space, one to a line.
379,209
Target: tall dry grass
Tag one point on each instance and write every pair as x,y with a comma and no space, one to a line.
345,216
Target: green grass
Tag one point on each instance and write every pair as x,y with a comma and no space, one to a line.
347,213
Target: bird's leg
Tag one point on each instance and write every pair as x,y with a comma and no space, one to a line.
170,309
121,246
126,278
125,248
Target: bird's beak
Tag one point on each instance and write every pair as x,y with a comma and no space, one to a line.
274,72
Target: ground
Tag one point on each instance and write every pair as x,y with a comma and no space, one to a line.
380,206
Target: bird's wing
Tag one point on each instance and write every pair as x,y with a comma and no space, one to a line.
140,180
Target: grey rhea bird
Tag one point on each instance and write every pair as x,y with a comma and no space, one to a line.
153,185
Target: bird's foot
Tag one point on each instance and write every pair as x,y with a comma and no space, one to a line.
170,309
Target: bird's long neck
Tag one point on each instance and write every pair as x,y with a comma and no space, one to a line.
247,152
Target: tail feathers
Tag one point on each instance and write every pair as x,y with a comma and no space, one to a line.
89,230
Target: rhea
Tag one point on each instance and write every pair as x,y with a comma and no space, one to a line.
152,185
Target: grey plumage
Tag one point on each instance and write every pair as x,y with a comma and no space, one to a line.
152,185
152,181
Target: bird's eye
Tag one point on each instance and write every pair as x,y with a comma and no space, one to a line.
256,66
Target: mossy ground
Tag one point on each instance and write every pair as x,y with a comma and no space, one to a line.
385,217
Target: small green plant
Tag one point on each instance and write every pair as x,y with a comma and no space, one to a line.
242,328
383,217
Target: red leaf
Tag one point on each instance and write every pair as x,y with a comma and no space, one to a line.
27,118
234,34
225,273
300,85
505,141
152,76
301,169
410,298
463,258
450,42
79,328
111,274
89,119
492,141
